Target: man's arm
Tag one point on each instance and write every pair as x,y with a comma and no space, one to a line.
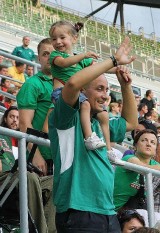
72,88
129,110
69,61
25,121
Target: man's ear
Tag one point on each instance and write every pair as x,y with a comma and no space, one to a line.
38,58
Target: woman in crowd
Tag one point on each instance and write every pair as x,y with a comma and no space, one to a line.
128,183
130,220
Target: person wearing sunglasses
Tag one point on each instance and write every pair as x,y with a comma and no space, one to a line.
130,220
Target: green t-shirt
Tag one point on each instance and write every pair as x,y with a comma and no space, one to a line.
83,179
25,53
62,73
35,94
126,183
7,157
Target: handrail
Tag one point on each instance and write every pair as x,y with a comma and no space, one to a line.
34,64
23,137
11,79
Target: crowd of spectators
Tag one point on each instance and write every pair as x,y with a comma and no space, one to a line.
30,109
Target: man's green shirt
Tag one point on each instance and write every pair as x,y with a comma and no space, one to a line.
35,94
83,179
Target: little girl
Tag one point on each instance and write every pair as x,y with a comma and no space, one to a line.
65,64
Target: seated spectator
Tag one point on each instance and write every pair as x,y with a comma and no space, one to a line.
143,124
128,184
8,102
114,110
24,51
5,84
3,71
39,188
130,220
17,72
146,230
28,72
152,115
142,110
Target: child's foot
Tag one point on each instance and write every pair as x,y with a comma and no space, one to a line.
112,156
94,142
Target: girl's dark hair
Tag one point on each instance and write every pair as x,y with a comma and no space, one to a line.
74,29
146,230
3,123
139,134
126,215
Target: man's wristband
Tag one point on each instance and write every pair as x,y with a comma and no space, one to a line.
115,63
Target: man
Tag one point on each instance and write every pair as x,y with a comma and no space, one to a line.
83,179
24,51
39,188
142,110
114,110
28,72
34,100
17,72
3,71
148,100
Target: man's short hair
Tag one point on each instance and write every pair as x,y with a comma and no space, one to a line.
142,105
18,64
44,41
148,92
3,67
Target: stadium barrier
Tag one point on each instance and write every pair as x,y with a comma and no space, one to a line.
8,55
23,138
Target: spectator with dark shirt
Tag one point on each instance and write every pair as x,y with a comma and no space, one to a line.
148,100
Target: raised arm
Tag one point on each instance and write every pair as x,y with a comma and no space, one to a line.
129,110
69,61
71,89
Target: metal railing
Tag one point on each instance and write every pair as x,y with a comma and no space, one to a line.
23,138
8,55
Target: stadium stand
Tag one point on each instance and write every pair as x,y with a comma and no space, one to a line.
98,35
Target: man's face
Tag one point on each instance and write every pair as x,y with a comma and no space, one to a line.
4,71
96,92
12,120
44,54
26,41
145,109
29,70
21,69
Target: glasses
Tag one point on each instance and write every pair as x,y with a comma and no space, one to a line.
127,213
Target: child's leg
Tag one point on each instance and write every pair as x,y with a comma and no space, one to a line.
104,123
85,119
92,141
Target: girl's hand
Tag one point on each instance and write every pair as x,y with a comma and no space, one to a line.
123,75
91,55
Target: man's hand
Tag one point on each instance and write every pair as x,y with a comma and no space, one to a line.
39,162
122,54
123,75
